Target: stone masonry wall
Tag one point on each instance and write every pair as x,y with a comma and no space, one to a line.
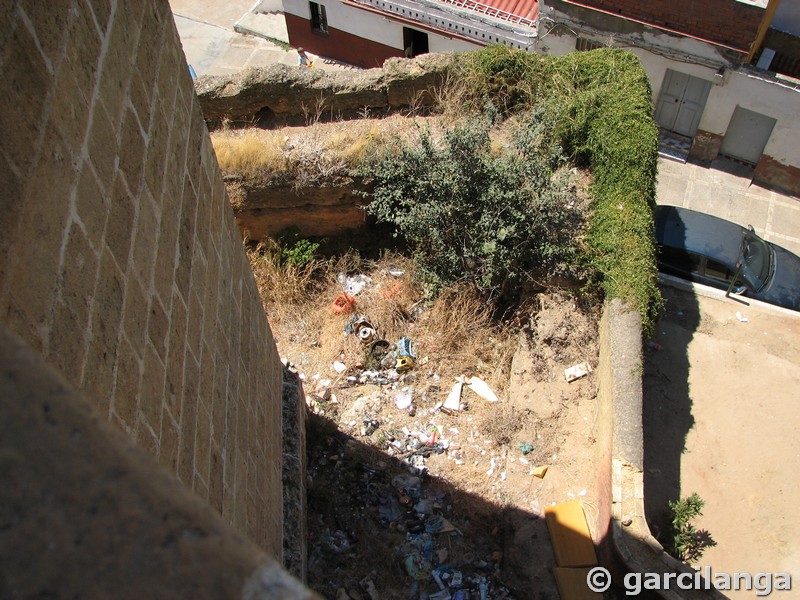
120,262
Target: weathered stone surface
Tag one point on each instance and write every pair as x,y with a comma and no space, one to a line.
86,513
120,261
288,91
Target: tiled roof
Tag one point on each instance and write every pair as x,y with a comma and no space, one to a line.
514,11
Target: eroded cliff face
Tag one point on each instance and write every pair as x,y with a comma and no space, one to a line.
284,93
279,95
330,208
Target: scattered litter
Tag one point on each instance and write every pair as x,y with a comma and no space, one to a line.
339,367
525,447
540,472
582,493
480,387
360,326
405,355
404,398
369,587
448,527
396,272
438,579
344,303
491,467
741,317
577,371
441,595
370,426
453,403
353,284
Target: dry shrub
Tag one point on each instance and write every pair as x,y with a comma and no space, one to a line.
282,283
501,422
307,154
463,337
457,314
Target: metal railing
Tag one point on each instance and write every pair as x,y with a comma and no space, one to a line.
491,11
466,18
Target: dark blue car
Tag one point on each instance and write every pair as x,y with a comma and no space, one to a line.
716,252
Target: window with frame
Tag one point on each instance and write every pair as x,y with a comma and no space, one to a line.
319,20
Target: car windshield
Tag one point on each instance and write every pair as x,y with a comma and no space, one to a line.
756,261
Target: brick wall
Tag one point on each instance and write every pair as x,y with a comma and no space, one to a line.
726,22
120,262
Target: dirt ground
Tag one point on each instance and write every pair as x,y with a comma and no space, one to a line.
721,420
400,496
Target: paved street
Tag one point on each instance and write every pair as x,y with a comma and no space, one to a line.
725,190
213,47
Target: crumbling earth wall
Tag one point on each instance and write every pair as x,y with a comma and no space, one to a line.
286,93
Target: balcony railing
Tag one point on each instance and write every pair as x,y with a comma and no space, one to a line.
464,18
491,11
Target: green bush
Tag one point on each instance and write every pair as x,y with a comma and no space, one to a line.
294,249
686,542
472,216
601,106
608,122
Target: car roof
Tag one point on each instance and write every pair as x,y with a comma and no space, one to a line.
698,232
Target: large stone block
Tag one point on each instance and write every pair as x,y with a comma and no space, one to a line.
121,220
92,204
24,93
78,274
126,387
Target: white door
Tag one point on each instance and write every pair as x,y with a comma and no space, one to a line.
681,102
747,135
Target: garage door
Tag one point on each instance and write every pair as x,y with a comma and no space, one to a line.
747,135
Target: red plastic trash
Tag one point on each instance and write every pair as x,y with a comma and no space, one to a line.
344,303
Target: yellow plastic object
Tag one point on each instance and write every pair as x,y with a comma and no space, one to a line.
572,584
569,534
404,363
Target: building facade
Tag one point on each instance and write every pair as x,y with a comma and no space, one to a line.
722,71
367,32
714,92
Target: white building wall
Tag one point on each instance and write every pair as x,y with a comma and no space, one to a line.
743,88
767,97
373,26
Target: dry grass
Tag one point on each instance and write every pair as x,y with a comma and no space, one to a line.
307,154
453,335
248,152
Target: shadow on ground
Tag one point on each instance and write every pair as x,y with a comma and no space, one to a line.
667,411
372,521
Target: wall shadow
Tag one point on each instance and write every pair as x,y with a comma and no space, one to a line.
667,406
365,529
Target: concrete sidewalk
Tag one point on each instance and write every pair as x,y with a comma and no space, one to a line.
725,190
224,38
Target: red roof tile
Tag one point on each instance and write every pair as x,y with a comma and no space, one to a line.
508,10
